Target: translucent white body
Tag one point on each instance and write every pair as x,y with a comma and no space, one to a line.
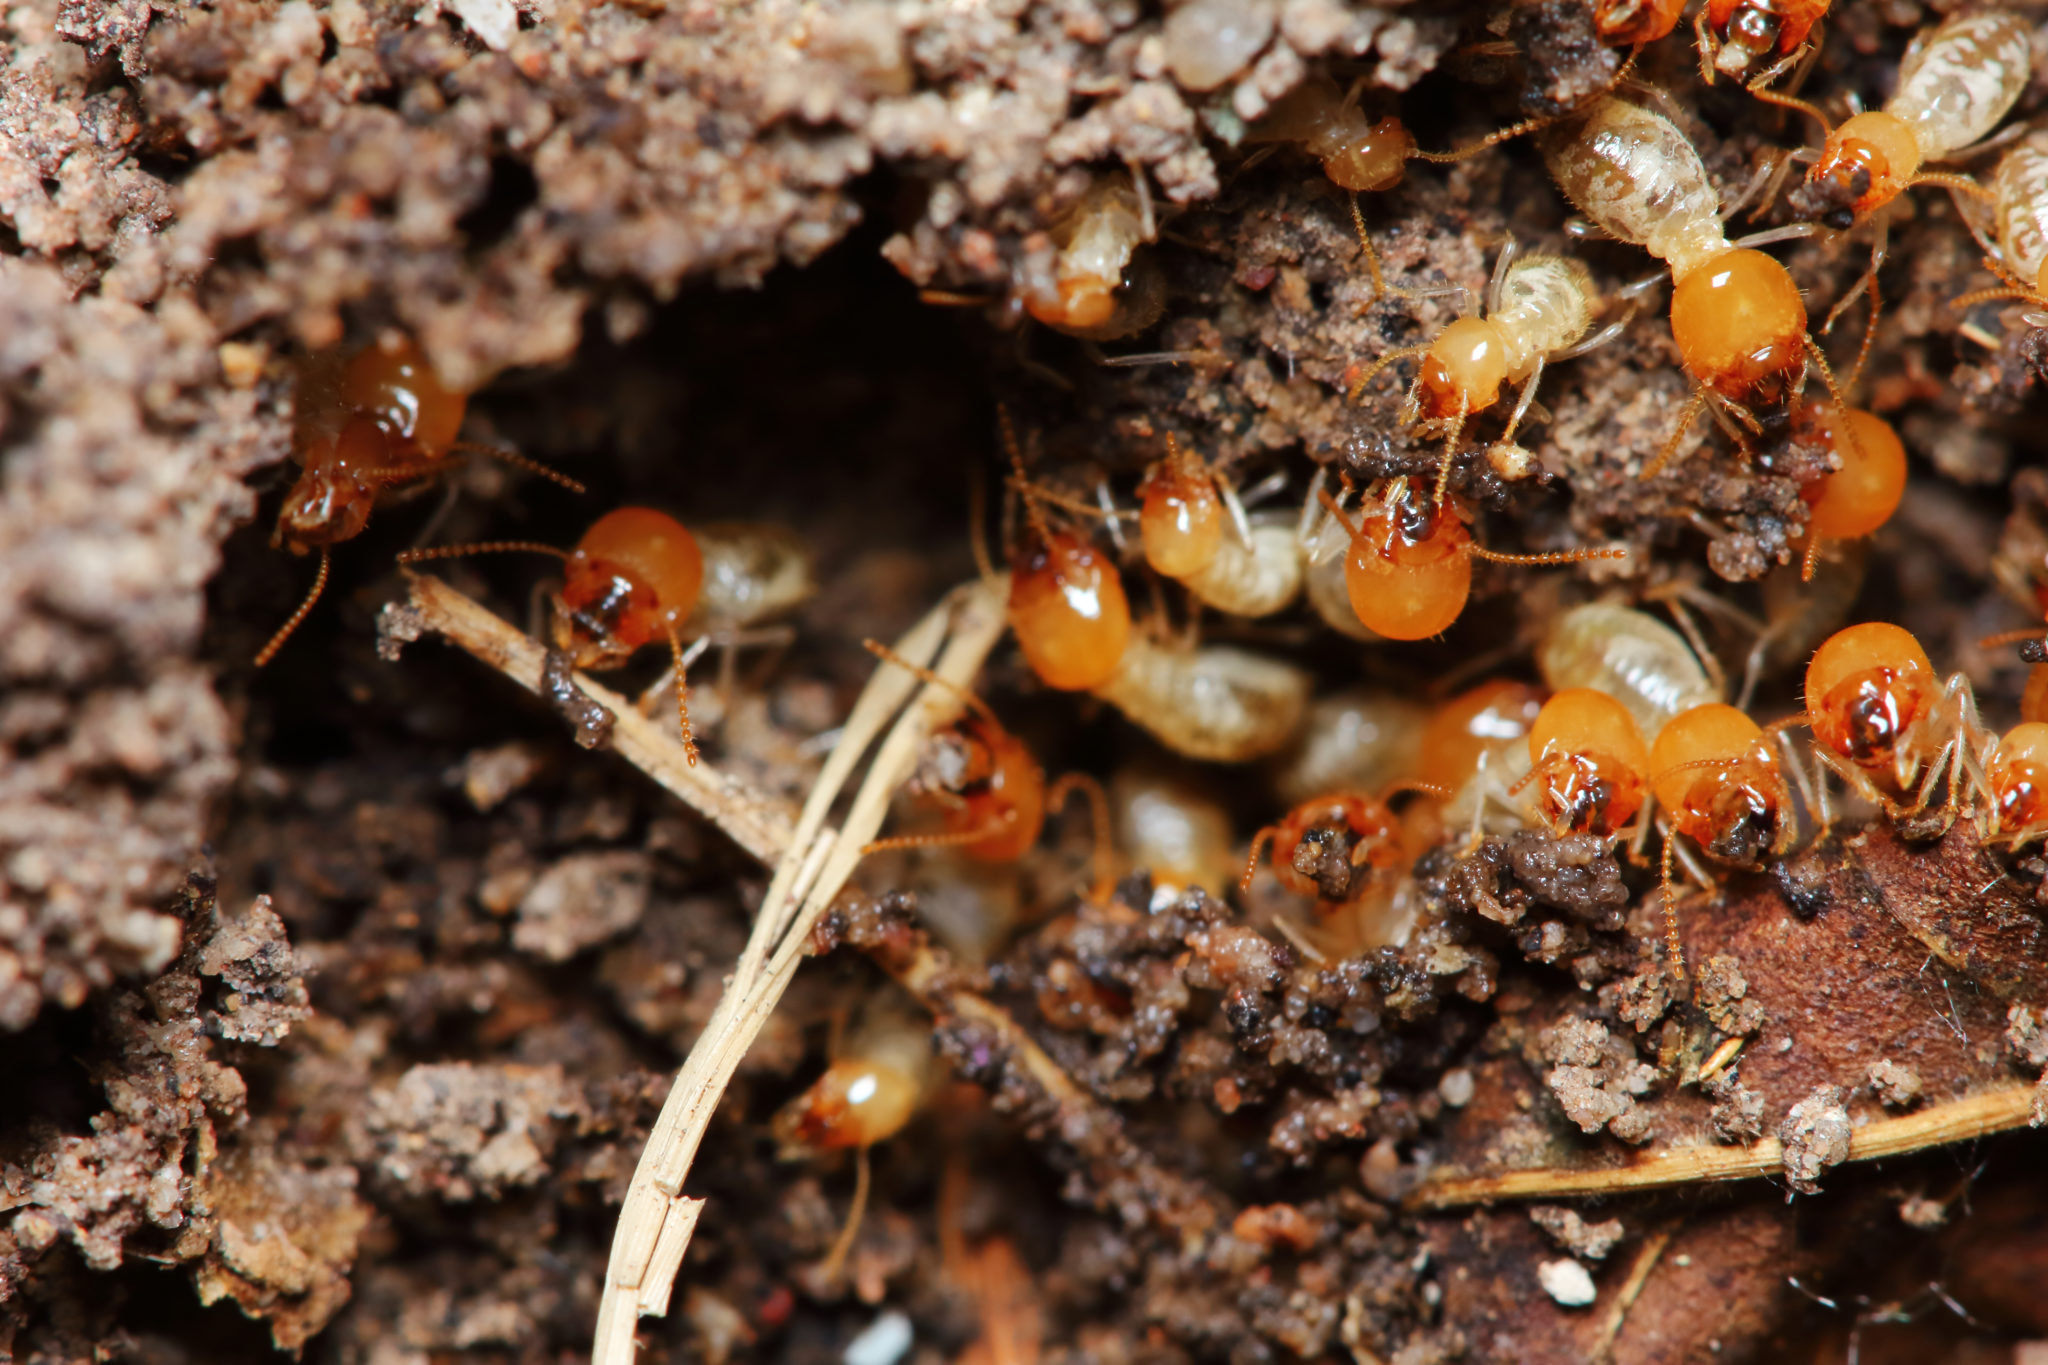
753,571
1214,703
1254,580
1636,176
1545,306
1355,740
2020,218
1631,656
1958,82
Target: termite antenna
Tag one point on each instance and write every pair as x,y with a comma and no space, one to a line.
675,645
2010,637
1553,557
517,461
1674,949
1372,372
1365,248
284,632
481,547
1530,125
949,838
1457,430
1033,512
1760,87
1395,789
1671,442
1251,863
1098,807
923,674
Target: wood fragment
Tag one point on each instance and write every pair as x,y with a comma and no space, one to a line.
1992,1111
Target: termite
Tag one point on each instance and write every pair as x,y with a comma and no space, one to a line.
1882,719
1330,847
1719,784
1736,315
1955,85
1099,288
2018,250
1244,568
1862,492
1353,740
1538,309
987,788
1357,153
1067,603
366,424
754,571
1410,568
633,579
2016,780
1589,764
865,1096
1214,703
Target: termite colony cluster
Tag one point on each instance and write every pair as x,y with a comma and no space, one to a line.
1439,685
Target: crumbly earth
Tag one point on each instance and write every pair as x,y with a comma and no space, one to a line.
340,997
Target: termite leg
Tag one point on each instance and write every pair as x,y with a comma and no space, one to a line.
1098,807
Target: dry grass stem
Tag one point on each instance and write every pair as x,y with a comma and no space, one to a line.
753,821
1993,1111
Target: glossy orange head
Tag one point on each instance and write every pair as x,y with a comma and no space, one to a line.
1083,303
1740,326
1868,686
1715,774
1873,156
1752,29
999,786
1464,367
1410,569
1068,608
392,384
1180,518
856,1103
1469,724
337,487
1630,23
1860,496
635,573
1376,841
1590,762
1374,161
2019,782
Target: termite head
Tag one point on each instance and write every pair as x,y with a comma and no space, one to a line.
1740,326
1866,689
1870,159
1068,608
2018,776
1589,763
1631,23
1181,513
1861,495
391,383
1331,847
858,1102
1409,573
1715,774
1750,30
336,489
1463,369
1374,160
979,776
1464,728
631,580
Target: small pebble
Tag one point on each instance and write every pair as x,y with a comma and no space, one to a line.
1567,1281
1455,1088
886,1341
1210,41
